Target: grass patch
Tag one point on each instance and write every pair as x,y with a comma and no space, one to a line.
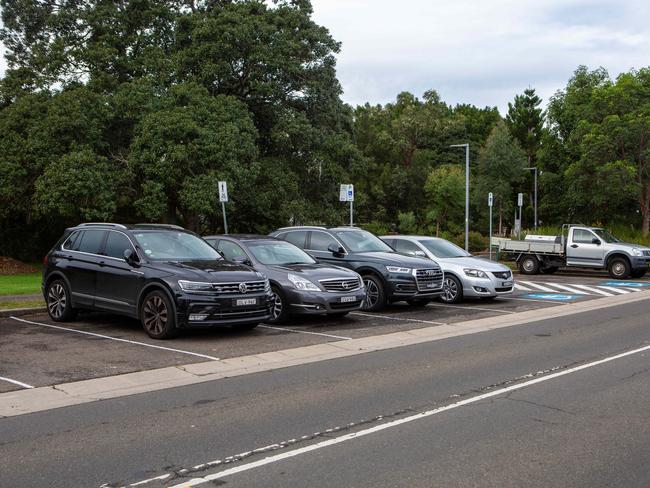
10,305
20,284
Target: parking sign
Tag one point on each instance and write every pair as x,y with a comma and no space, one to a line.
223,191
350,193
490,199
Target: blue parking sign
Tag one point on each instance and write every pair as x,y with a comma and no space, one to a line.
560,297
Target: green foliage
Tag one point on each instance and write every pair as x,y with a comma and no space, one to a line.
525,120
445,190
477,242
407,223
377,228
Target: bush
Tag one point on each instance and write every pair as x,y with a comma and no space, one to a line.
377,228
477,241
407,223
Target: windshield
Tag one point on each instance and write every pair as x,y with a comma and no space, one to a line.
606,236
175,246
362,241
270,253
444,249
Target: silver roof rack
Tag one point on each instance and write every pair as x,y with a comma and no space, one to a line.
161,226
102,224
303,227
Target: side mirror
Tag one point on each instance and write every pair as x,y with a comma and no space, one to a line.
420,254
596,241
336,250
130,257
243,260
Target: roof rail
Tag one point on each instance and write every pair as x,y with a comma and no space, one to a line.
102,224
303,227
161,226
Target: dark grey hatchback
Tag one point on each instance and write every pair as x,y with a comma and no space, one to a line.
164,275
299,284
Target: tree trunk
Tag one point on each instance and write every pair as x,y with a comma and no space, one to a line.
500,221
644,201
437,228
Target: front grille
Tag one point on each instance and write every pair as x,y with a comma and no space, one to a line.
240,314
646,253
338,305
503,275
234,288
345,284
429,279
505,288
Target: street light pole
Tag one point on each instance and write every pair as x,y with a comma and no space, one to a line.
535,198
466,146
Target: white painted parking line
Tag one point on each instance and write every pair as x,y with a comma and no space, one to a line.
539,287
305,332
615,289
519,286
472,307
402,319
575,291
595,290
521,299
180,351
15,382
395,423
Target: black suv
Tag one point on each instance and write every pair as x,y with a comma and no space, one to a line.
299,284
388,275
164,275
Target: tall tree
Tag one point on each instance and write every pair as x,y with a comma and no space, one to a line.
525,120
445,189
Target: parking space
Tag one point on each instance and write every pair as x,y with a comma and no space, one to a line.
39,352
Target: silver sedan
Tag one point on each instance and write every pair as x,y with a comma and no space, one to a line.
465,275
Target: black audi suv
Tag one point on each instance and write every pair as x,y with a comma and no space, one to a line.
388,275
299,284
164,275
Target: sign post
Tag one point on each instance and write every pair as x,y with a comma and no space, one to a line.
520,204
490,202
223,198
346,194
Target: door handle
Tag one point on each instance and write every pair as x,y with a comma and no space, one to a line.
574,245
102,263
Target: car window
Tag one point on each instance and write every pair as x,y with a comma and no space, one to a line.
231,250
320,241
582,236
441,248
213,242
358,240
403,246
116,244
175,246
390,242
91,241
279,252
72,241
297,238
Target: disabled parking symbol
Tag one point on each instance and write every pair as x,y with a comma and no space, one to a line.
560,297
627,284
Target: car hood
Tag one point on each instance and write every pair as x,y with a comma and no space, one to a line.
394,259
211,271
471,262
625,245
313,271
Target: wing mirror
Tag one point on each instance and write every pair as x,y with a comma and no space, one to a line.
596,241
336,250
420,254
130,257
243,260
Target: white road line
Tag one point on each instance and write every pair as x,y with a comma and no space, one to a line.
615,289
630,289
539,287
16,382
472,307
116,339
531,300
519,286
568,288
403,319
595,290
395,423
305,332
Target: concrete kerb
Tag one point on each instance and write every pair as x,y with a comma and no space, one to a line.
18,312
45,398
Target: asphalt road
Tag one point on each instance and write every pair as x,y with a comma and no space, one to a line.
358,421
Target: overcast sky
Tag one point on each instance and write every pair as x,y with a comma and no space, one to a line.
481,52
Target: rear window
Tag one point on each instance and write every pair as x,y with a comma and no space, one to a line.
297,238
72,241
90,241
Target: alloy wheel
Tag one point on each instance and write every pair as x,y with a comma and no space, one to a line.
450,290
618,269
56,300
528,265
155,315
372,293
278,306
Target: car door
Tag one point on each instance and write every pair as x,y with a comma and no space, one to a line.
318,244
582,250
82,263
118,283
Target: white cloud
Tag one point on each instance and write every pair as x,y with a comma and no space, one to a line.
479,52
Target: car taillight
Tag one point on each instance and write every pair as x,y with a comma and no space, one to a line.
45,260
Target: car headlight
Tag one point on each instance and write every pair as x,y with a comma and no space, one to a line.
194,285
267,285
398,269
637,252
475,273
302,283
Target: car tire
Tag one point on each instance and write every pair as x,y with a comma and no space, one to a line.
279,309
157,315
638,273
529,265
59,301
549,270
418,302
452,290
375,294
619,268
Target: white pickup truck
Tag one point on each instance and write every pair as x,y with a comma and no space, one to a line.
580,247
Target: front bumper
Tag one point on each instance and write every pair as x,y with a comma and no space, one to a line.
405,287
487,287
199,310
324,302
639,262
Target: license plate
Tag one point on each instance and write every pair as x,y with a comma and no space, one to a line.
242,302
506,283
348,299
